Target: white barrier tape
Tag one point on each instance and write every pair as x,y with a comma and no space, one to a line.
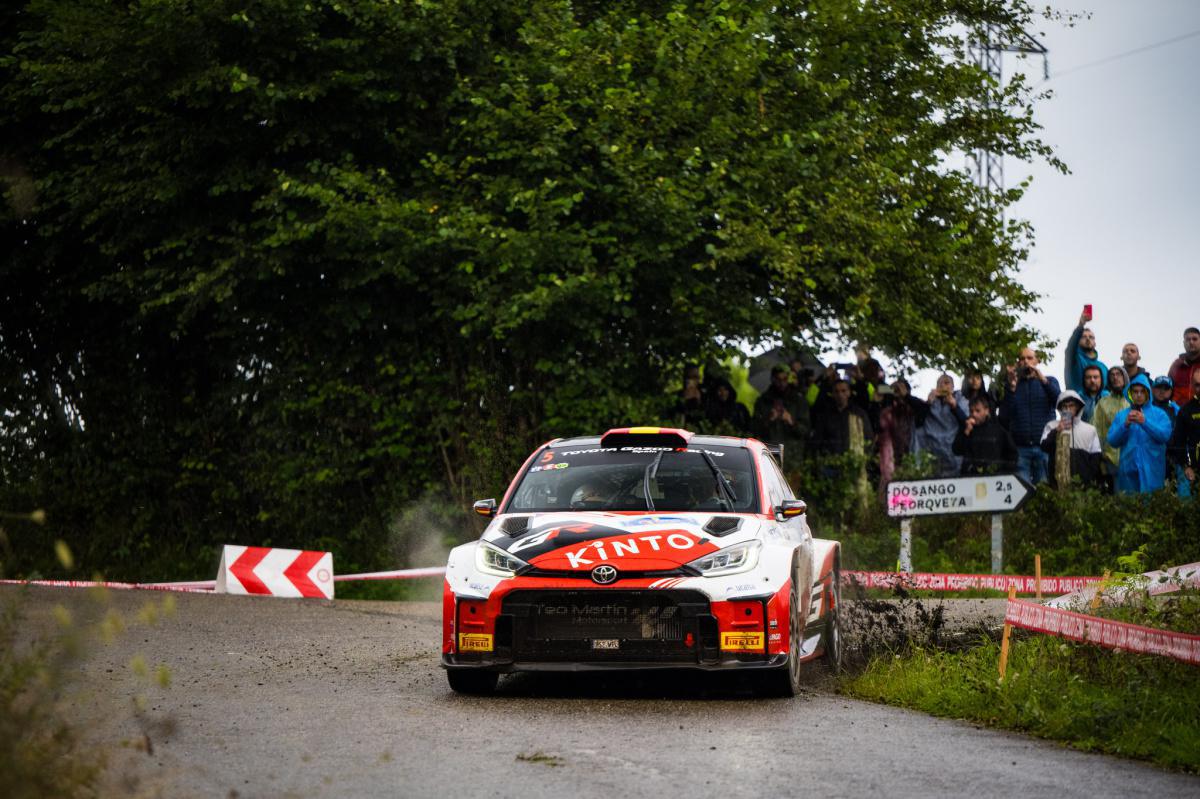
930,581
1153,583
1102,632
206,586
400,574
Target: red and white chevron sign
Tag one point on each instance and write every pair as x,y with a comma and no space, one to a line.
275,572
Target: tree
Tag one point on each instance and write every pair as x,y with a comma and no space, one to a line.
277,270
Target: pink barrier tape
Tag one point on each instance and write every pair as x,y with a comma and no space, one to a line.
401,574
926,581
1103,632
106,584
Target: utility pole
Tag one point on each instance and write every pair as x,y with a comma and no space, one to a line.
987,168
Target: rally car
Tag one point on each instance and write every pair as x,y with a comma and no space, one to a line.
643,548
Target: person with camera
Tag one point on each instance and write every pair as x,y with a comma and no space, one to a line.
1141,432
1073,445
937,429
781,416
1081,352
983,443
1028,405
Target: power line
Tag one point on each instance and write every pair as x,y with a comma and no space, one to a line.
1126,54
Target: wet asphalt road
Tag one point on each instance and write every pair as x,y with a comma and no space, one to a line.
282,698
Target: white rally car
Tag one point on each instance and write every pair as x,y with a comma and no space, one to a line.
644,548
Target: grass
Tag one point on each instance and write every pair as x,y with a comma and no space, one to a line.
1138,706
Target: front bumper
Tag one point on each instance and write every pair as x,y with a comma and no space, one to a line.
614,630
450,662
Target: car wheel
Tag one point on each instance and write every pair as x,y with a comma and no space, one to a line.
470,681
785,680
833,622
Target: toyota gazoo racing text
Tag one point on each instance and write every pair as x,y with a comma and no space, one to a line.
643,548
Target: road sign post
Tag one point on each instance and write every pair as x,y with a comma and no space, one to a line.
997,543
996,494
905,562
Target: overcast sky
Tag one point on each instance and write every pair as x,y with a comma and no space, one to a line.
1122,231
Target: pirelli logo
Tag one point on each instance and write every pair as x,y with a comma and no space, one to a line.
474,642
742,642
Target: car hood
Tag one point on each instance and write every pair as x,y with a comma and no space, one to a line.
575,542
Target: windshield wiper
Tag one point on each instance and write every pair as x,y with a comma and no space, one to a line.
722,484
651,470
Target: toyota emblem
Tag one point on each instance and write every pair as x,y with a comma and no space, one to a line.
603,575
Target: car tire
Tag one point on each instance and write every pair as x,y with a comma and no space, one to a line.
832,642
470,681
785,680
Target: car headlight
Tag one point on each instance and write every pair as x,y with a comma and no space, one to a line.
495,561
731,560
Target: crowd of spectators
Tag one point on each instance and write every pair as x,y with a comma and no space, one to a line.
1114,428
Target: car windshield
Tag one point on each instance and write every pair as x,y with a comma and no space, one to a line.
618,479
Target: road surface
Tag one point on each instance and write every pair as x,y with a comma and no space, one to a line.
303,698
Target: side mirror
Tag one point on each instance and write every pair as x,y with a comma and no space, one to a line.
485,507
790,509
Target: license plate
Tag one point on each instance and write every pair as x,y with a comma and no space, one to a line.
606,643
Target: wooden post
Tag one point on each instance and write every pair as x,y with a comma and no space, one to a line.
905,561
1100,590
1012,594
1037,576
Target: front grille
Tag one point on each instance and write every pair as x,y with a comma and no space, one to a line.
645,625
583,574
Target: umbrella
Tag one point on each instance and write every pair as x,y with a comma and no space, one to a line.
761,365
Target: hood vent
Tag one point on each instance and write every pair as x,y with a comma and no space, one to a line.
722,525
515,525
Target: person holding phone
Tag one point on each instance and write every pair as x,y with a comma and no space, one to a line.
1140,432
1028,404
1081,352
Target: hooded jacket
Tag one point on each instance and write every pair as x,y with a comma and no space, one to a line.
1083,460
1077,361
1107,408
731,411
1143,462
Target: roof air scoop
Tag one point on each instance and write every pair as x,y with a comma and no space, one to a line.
649,437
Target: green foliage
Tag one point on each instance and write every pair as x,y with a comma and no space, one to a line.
1137,706
270,273
42,752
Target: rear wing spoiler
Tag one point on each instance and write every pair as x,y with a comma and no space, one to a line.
776,451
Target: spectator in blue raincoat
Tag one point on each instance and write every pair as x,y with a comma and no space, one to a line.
1141,432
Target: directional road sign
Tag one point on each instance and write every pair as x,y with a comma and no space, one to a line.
993,493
